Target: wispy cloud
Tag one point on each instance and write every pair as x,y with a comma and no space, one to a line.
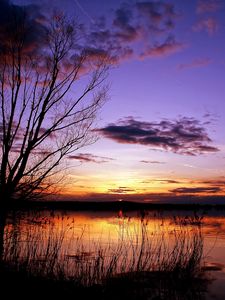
163,181
196,190
196,63
216,183
152,162
90,158
183,136
210,25
208,6
168,47
189,166
121,190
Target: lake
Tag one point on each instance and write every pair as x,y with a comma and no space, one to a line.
90,244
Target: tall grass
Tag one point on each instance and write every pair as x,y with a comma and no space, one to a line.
53,250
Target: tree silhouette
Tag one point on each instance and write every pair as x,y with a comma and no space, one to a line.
51,87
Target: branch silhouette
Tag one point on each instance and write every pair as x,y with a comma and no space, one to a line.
50,96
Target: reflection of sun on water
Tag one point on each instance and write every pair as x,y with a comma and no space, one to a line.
104,230
81,237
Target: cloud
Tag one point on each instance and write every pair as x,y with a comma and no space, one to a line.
158,198
11,14
208,6
119,38
132,25
157,14
210,25
121,190
96,54
196,190
170,46
152,162
170,181
196,63
126,31
20,135
182,136
42,152
134,22
216,183
90,158
113,43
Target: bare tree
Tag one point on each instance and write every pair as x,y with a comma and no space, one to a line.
49,98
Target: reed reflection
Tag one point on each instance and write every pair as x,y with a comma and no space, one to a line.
90,250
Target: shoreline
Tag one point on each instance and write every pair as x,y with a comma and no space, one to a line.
111,206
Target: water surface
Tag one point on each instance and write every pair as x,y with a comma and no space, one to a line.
77,237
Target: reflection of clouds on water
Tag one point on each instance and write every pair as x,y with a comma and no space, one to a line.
214,227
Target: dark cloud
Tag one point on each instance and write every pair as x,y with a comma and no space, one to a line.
126,32
168,198
11,15
108,42
90,158
143,19
152,162
196,190
158,14
122,18
182,136
148,24
100,35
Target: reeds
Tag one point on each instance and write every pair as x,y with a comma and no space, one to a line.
54,250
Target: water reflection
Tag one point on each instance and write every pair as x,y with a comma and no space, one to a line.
92,247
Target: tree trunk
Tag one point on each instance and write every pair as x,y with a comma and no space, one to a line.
3,215
4,210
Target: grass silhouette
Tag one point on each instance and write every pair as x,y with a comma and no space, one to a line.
139,262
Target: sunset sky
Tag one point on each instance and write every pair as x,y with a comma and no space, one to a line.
162,129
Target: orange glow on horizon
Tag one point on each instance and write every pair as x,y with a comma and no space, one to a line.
139,187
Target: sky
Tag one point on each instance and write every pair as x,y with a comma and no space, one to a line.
161,132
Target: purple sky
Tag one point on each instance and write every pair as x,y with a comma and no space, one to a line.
162,129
